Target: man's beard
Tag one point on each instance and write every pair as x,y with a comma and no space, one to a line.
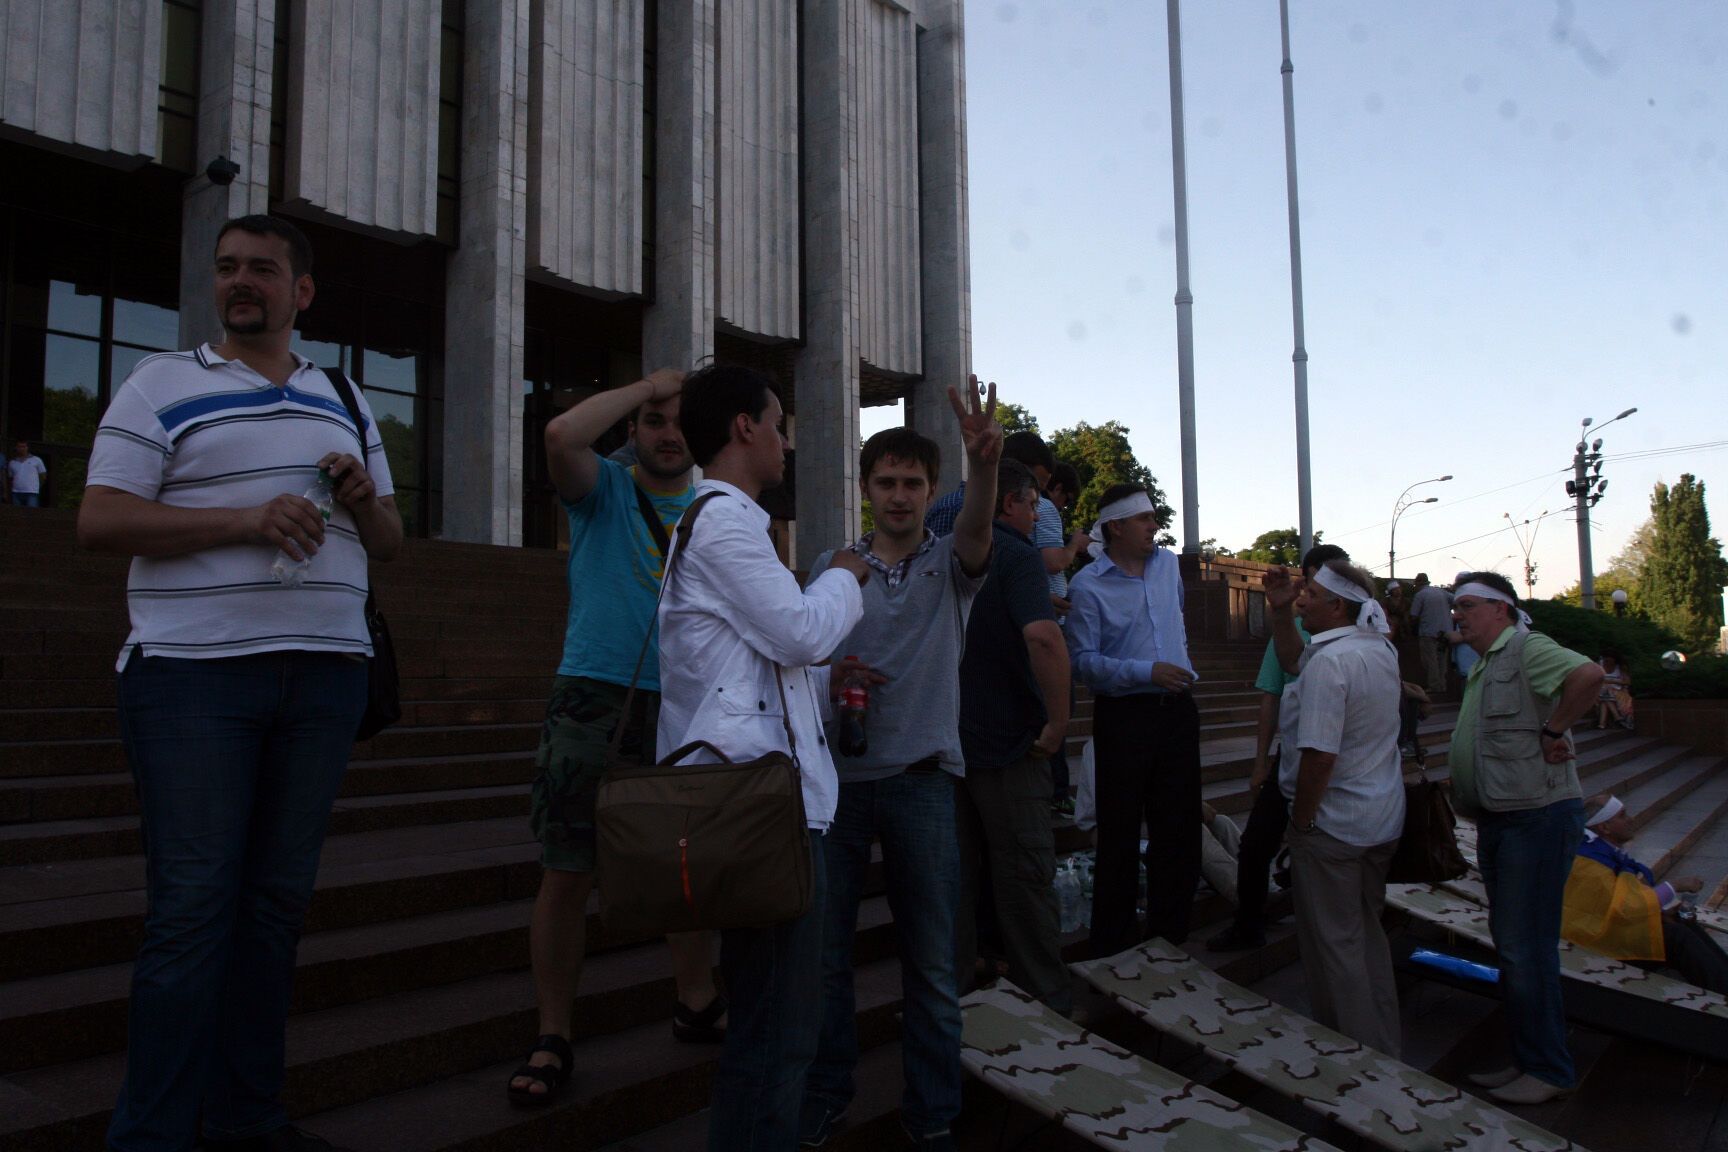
246,327
649,462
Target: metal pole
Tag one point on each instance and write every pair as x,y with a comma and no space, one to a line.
1304,493
1184,298
1581,485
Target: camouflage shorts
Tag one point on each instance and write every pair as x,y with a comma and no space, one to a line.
572,758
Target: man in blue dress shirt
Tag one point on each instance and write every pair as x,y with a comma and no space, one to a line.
1130,646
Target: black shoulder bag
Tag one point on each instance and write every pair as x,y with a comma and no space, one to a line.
383,691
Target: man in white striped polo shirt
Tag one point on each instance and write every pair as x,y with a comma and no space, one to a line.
239,695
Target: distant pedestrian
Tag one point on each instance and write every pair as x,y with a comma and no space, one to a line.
24,473
1130,646
1430,611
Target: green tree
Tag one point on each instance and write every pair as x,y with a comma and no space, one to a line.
1625,572
1685,571
1102,456
1015,418
1279,546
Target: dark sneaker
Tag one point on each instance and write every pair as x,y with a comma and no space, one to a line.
1230,940
942,1141
817,1121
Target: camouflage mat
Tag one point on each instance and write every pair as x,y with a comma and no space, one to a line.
1367,1092
1470,920
1100,1092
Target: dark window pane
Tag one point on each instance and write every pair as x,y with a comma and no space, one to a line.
396,427
323,354
152,325
66,480
121,361
179,48
70,405
179,141
399,373
70,310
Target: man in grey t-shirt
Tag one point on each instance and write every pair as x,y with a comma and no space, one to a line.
900,786
1431,613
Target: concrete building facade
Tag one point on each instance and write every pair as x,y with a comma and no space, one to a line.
514,203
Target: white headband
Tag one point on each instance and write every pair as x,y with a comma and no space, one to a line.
1520,618
1130,505
1609,810
1370,614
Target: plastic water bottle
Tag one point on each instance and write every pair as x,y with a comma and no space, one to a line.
1068,896
289,572
854,702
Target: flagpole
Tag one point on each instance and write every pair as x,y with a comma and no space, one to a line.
1184,298
1304,490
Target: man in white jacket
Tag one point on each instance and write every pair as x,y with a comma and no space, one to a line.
732,614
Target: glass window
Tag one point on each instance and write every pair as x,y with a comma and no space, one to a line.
121,361
70,310
398,373
148,325
395,416
322,353
71,403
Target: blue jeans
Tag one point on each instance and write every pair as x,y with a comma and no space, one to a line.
27,499
1525,859
913,813
237,762
773,980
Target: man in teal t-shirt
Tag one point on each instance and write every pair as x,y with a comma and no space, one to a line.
621,518
1264,833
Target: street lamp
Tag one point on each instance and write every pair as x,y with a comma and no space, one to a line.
1619,598
1585,488
1398,509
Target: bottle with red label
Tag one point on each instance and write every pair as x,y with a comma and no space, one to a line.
854,702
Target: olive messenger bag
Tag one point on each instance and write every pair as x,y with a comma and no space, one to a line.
684,847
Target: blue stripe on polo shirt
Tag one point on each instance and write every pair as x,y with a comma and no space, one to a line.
177,415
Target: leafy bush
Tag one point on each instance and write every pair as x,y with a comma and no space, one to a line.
1641,642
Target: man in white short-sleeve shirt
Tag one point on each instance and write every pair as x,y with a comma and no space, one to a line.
1343,775
239,694
24,473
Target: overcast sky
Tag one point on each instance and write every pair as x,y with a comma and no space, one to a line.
1513,216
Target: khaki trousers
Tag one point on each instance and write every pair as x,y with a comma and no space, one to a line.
1340,890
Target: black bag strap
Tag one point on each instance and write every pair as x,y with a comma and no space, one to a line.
686,525
652,518
345,391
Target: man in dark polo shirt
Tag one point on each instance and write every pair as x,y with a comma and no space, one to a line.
1013,715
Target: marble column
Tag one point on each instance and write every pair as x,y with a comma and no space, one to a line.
485,289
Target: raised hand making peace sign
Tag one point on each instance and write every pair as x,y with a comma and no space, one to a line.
979,433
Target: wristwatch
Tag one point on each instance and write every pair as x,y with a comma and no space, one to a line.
1551,734
1310,826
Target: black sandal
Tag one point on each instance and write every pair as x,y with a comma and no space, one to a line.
553,1076
694,1027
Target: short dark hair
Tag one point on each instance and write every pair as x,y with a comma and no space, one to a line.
1029,449
904,444
1012,479
1114,493
1495,581
1066,477
299,248
1322,554
713,395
